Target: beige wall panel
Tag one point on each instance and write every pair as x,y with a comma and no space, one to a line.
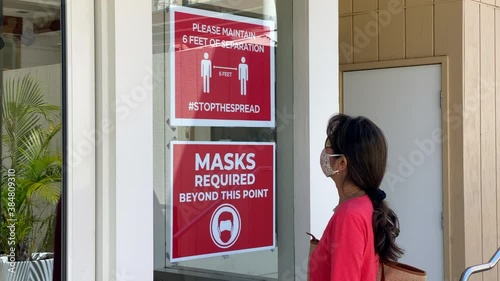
457,240
394,7
417,2
345,7
392,32
472,138
448,16
345,40
365,37
419,32
492,2
497,102
488,143
364,5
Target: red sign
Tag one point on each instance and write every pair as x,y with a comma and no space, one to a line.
222,69
222,198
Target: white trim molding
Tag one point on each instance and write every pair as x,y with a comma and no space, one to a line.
80,196
124,96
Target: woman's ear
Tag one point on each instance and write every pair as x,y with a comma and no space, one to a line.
342,163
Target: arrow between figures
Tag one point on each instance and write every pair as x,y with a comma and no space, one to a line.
223,67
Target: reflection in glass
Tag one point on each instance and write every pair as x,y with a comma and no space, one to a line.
31,148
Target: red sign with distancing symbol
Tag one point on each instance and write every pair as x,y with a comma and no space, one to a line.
222,69
222,198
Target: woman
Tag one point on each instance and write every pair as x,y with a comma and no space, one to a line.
363,228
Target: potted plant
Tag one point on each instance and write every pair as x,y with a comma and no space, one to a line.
31,181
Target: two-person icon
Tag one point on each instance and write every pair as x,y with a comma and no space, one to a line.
206,74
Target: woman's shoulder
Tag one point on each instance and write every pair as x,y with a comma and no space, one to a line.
360,207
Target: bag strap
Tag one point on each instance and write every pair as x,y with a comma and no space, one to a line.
383,272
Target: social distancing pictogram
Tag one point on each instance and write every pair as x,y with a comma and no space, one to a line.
222,70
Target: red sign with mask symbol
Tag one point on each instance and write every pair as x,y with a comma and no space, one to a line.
222,198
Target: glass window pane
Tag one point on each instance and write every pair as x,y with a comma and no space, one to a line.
218,69
32,143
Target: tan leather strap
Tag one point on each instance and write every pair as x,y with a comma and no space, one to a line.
382,278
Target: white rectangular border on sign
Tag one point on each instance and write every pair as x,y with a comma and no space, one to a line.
172,144
219,122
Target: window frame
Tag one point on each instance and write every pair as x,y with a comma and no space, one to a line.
79,120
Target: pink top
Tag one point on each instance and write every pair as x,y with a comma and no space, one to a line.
346,251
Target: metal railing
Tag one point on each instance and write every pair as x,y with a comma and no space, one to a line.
482,267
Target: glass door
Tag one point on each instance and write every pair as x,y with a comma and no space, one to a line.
31,48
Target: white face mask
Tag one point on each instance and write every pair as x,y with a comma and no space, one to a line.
326,165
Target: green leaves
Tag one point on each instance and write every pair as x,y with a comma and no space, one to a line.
30,129
23,110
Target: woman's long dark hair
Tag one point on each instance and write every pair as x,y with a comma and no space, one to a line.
365,147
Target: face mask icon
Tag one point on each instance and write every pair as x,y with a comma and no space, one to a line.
225,229
225,226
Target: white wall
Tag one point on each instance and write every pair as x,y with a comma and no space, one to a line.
42,49
80,198
134,139
124,104
323,102
315,99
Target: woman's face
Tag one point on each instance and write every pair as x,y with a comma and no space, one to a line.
328,160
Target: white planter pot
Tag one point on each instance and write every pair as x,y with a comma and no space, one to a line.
40,270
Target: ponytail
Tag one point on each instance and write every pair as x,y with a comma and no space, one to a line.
385,230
